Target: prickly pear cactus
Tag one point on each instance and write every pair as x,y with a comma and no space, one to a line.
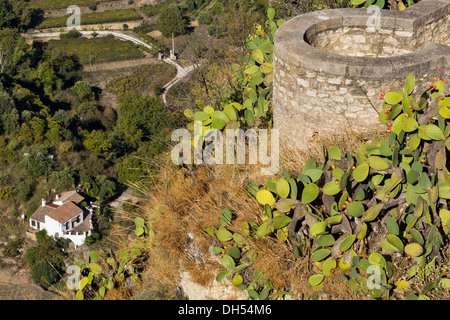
328,210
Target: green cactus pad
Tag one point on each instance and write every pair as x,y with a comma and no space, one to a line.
320,254
283,188
361,172
328,265
331,188
265,197
377,260
355,209
316,279
372,213
310,193
377,163
413,249
223,234
318,228
227,262
347,243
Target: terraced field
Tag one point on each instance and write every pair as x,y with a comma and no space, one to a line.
97,50
92,18
59,4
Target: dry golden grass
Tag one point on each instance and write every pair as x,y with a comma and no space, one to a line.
185,201
350,141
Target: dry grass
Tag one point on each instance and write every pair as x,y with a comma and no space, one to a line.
349,141
186,201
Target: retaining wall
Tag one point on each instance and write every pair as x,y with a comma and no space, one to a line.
330,67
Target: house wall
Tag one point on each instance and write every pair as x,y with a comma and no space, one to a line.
77,239
41,224
52,226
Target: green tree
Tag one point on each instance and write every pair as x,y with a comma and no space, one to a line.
10,121
143,116
13,48
130,169
39,127
205,18
6,102
171,21
47,79
83,91
54,132
106,188
65,178
97,141
37,165
99,187
87,107
7,16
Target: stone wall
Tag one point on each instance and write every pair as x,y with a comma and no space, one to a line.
329,67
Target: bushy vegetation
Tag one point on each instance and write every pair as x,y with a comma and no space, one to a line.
55,136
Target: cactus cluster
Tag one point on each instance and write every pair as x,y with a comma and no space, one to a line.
394,4
108,270
398,186
237,254
251,81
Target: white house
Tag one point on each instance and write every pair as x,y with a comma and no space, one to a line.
64,218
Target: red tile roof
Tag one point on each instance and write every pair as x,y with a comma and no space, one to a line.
71,196
65,212
40,213
85,226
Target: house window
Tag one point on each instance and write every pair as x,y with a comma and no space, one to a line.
75,221
33,223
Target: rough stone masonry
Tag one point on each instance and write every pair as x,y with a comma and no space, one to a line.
330,66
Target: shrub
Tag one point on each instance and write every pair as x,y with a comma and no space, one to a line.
72,34
44,274
41,235
92,7
12,248
30,256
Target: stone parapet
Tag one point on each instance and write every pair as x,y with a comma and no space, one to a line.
330,66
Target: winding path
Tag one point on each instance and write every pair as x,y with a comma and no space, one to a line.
181,72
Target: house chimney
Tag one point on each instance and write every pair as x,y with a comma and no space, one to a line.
43,202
